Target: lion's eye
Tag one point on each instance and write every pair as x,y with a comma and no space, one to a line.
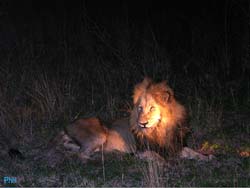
152,108
140,108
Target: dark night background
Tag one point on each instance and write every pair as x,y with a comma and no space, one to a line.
206,42
181,29
61,60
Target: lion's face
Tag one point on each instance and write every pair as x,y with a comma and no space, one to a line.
151,105
148,112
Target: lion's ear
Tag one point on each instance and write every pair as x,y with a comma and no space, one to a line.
167,97
146,82
167,92
140,88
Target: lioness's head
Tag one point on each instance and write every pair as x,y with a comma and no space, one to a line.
152,103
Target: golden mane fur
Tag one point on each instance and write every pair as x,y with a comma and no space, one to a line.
168,131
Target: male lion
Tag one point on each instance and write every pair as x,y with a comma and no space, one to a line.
157,122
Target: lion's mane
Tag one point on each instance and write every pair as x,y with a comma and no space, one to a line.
170,131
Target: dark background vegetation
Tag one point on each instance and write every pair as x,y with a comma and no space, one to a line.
60,60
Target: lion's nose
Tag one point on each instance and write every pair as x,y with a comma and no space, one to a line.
143,124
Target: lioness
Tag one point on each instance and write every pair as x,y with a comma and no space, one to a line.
157,122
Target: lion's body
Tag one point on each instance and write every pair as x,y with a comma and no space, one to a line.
120,137
89,135
157,120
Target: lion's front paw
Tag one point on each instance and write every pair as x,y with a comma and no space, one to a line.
188,153
150,156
